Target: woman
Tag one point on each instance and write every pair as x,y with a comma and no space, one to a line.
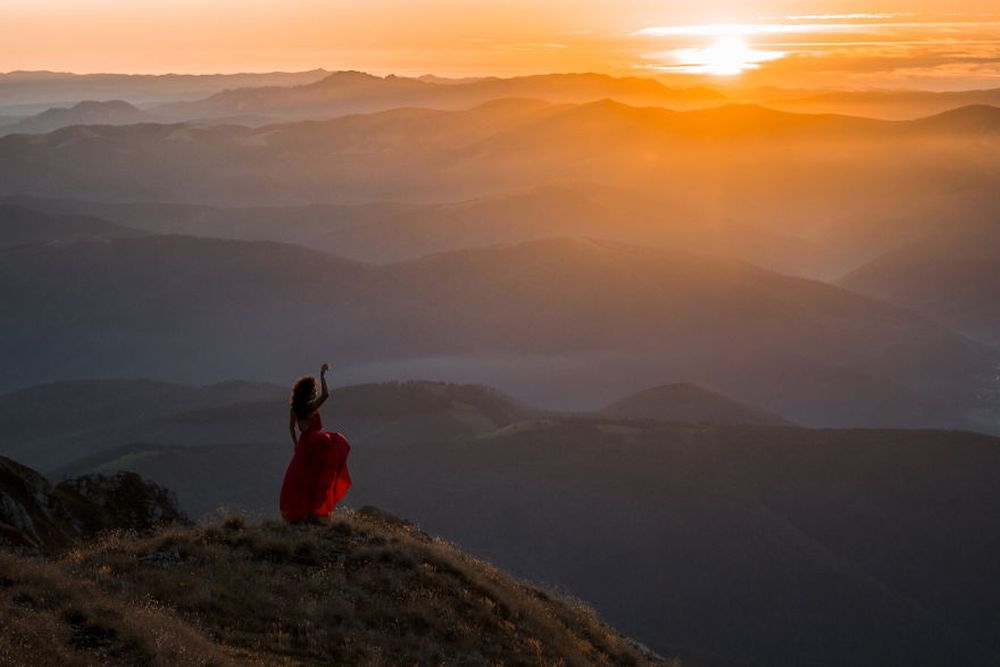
317,477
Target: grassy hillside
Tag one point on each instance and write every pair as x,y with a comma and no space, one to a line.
366,589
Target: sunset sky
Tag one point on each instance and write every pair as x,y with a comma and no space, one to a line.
920,44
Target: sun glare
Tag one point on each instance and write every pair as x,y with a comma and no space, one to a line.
729,54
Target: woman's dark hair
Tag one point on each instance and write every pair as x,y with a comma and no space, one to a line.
302,394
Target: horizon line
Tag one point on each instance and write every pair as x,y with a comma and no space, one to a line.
703,81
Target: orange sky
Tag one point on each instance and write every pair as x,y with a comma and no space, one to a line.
911,44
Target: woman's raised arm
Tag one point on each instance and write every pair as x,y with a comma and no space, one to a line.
324,393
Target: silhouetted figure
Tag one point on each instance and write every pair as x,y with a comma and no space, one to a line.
317,476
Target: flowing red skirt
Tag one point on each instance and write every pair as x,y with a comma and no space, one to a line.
317,477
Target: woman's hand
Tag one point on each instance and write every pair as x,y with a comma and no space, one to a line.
324,369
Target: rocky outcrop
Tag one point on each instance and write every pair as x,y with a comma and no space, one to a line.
36,517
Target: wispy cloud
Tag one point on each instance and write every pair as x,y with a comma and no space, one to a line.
839,17
739,29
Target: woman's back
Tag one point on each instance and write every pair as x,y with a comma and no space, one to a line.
311,422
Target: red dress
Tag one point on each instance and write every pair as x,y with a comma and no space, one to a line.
317,476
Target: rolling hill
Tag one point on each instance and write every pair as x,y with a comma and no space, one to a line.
24,226
35,91
722,162
90,420
383,232
947,276
350,92
623,317
686,402
815,196
890,105
111,112
50,425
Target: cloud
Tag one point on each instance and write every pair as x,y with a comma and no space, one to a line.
840,17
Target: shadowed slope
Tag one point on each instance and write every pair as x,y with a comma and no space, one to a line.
113,112
949,276
891,105
685,402
191,309
103,421
49,425
21,226
386,232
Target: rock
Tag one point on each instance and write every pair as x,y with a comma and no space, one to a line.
35,518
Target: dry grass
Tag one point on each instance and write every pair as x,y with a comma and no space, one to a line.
363,590
50,618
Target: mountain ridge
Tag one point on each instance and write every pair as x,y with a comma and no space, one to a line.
486,150
349,92
20,225
688,402
87,112
395,314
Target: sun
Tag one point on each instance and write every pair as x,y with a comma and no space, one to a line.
728,55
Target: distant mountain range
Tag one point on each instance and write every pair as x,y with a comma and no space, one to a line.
21,226
887,104
384,232
948,276
562,322
423,155
89,418
343,93
31,92
113,112
89,432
